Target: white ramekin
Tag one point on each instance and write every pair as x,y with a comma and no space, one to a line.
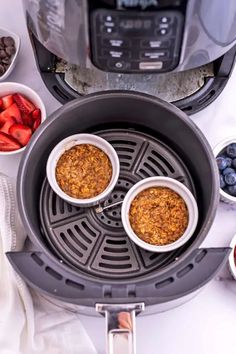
6,33
67,144
176,186
231,262
8,88
225,197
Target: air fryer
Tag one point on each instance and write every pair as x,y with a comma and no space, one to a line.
179,50
83,258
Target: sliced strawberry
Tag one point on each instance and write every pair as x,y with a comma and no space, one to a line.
21,133
27,119
36,124
36,114
7,101
6,126
8,143
23,104
12,111
1,104
4,117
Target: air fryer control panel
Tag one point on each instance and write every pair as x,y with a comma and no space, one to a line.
136,41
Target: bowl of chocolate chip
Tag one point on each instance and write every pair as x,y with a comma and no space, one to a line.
159,214
83,169
9,49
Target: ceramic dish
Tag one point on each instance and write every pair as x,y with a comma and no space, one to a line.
232,265
218,149
67,144
7,33
8,88
174,185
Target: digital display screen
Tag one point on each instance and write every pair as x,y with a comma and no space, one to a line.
135,24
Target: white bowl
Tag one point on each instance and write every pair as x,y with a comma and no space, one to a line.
225,197
67,144
232,266
8,88
7,33
176,186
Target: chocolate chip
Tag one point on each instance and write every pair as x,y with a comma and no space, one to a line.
7,54
2,70
10,51
3,54
8,41
6,61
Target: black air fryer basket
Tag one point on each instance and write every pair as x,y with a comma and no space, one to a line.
85,258
151,138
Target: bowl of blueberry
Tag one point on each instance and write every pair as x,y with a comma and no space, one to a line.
225,153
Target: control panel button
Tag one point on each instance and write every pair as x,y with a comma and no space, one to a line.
108,26
118,65
116,43
115,53
108,18
163,31
108,30
155,44
165,19
154,54
155,65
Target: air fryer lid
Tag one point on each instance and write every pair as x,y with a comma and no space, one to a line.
85,258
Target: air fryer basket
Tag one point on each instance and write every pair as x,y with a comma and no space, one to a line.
85,258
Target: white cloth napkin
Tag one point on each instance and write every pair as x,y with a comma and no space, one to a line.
30,324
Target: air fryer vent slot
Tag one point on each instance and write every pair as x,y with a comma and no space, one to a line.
53,273
164,283
200,256
74,284
96,243
37,259
184,271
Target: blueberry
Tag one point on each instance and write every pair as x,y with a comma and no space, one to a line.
221,162
230,179
234,163
231,190
229,162
222,182
231,150
227,170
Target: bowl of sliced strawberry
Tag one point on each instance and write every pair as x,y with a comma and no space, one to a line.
21,113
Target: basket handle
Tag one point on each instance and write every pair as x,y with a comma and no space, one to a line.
120,326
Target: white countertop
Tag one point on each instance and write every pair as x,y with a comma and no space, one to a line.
206,324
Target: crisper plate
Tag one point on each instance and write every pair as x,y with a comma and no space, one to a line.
96,243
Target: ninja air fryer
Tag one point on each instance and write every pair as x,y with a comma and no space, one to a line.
179,50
